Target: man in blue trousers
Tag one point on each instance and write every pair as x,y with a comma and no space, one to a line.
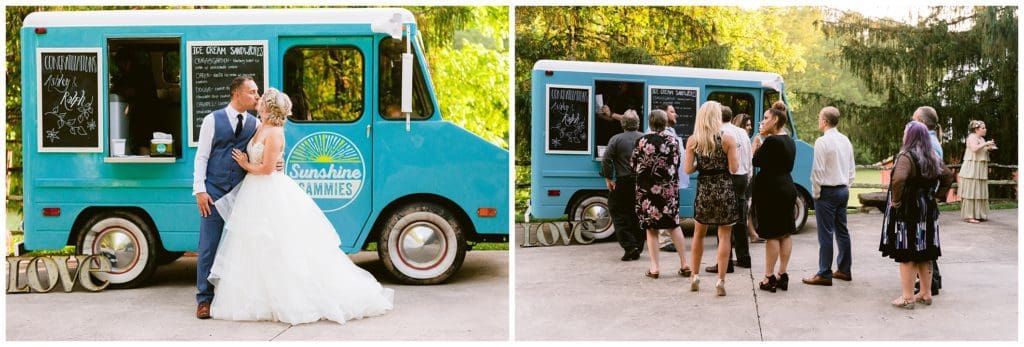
216,173
832,174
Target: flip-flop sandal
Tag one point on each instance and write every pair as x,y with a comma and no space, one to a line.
903,303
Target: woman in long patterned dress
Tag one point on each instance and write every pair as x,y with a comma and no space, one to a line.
910,232
716,158
973,187
655,161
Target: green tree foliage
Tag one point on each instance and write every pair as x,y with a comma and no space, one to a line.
466,49
962,61
711,37
824,81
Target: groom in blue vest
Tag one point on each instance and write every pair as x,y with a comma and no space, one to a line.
216,173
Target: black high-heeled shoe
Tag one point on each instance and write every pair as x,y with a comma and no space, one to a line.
770,285
783,281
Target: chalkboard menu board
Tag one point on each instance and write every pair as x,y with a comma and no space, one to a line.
568,119
70,110
212,65
683,100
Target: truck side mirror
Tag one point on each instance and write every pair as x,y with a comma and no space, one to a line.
407,77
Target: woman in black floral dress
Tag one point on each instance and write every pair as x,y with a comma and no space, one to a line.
910,229
655,161
715,157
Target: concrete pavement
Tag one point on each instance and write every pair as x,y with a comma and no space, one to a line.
583,292
473,305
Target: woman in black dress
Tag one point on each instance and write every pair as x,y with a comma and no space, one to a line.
910,232
774,195
655,161
716,158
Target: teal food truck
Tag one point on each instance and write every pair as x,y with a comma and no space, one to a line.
113,102
568,138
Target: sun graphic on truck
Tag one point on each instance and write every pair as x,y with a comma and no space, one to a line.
329,167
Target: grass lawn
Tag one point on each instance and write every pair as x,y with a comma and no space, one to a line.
13,218
864,176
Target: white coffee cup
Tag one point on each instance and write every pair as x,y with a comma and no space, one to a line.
117,147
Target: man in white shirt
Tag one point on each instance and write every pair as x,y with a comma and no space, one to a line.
215,173
739,183
831,176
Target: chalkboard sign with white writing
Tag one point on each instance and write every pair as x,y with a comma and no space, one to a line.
212,65
70,111
568,119
683,100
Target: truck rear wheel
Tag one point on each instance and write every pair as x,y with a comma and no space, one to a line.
595,207
800,209
127,241
422,244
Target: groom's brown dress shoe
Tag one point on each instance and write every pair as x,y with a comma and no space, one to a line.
203,311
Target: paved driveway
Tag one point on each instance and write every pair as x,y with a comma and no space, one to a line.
583,292
473,305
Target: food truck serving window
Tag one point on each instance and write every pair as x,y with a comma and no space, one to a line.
145,97
619,96
325,83
390,94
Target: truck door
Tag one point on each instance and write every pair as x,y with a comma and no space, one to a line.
328,149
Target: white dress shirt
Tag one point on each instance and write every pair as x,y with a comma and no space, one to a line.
206,131
742,148
833,161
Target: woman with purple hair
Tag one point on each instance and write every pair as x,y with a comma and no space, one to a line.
910,232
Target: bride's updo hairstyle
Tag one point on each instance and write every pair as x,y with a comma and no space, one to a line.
277,105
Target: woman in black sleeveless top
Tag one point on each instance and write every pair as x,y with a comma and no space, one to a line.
774,195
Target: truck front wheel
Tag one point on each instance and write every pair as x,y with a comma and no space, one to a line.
422,243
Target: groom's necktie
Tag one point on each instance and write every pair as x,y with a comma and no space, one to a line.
238,127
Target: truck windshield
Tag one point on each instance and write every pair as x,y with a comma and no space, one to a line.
770,97
390,94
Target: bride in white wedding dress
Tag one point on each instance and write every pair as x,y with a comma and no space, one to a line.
279,258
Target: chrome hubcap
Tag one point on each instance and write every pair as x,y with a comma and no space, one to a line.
599,214
118,246
422,245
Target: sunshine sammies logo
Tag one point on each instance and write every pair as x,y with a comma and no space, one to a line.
329,168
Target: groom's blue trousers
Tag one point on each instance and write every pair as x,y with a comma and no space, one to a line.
210,230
